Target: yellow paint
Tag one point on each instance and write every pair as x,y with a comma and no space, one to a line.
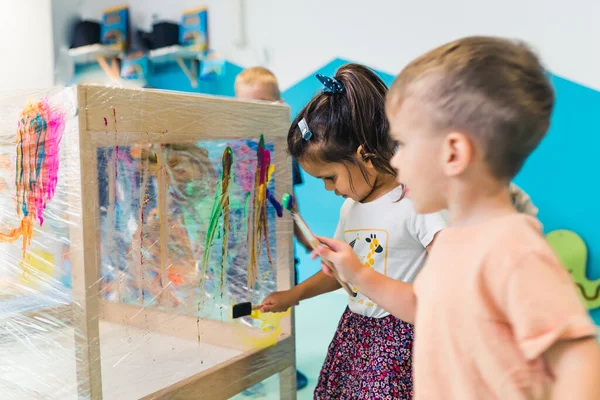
261,193
38,266
270,172
270,326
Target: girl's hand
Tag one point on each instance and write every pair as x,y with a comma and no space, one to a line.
343,258
279,301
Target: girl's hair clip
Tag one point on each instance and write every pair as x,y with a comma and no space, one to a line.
332,85
306,133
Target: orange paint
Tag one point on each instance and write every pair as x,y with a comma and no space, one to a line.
176,276
135,152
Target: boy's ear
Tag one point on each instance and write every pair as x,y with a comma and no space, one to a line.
457,153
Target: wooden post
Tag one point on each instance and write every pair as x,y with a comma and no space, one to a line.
285,260
163,216
287,383
85,263
140,233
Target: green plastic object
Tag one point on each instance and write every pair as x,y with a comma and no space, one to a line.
572,252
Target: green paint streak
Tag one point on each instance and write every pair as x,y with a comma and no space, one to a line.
246,204
220,207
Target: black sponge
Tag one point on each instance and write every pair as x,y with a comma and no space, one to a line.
242,310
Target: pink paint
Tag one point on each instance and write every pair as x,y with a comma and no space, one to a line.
265,161
39,133
244,167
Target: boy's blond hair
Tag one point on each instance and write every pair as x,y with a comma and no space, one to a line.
494,90
259,76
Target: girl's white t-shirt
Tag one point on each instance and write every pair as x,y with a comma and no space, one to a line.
388,236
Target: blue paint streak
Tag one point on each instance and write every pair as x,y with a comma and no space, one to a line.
40,129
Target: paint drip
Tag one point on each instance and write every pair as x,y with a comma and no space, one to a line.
39,132
220,208
256,220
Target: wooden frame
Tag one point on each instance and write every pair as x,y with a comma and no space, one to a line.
156,117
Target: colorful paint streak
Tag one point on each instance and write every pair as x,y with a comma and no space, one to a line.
220,208
39,133
257,216
227,162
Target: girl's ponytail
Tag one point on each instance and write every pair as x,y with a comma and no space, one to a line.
347,114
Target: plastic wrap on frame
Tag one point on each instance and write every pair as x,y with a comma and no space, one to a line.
164,318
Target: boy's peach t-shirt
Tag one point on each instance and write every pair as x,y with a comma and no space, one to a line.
491,300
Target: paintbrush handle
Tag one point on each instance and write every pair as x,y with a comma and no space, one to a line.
346,287
314,242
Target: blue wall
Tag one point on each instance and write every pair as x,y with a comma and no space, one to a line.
558,176
171,77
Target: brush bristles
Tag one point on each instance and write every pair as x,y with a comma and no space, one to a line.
287,200
242,310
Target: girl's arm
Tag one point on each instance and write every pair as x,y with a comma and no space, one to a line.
319,283
395,296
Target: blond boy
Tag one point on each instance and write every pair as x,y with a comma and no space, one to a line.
496,316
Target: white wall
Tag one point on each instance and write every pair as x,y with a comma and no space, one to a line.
26,42
65,13
295,37
387,34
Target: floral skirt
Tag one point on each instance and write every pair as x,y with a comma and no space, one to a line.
369,358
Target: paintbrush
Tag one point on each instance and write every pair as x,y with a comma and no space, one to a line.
244,309
288,203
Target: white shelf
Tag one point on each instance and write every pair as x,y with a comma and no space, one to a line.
179,55
172,53
90,54
98,53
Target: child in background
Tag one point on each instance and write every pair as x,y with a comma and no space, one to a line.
258,83
521,201
341,137
496,315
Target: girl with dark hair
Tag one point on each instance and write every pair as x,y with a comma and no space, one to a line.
341,137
